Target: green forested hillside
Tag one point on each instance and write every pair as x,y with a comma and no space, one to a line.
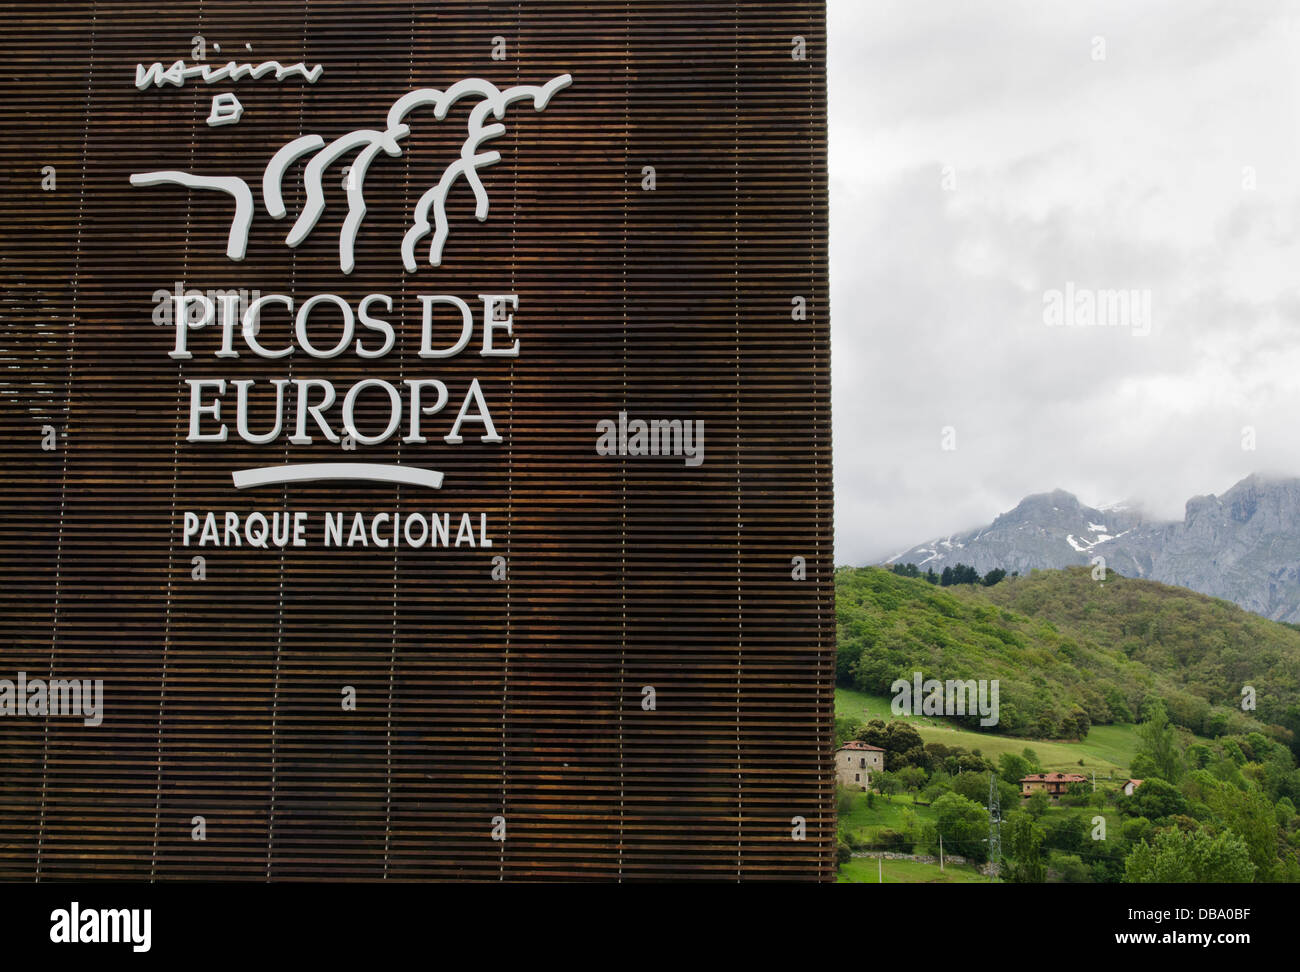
1209,649
1070,652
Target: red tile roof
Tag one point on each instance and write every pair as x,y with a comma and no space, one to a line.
1054,778
861,746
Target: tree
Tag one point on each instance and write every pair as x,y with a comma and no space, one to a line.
1067,832
1156,741
843,800
1038,804
847,655
1291,719
1136,829
1155,799
1217,724
912,830
873,733
846,728
1013,768
898,741
939,752
975,786
964,826
912,778
1285,811
1190,857
1070,869
914,758
886,782
1022,842
1249,814
959,574
1143,767
1075,724
971,763
1198,755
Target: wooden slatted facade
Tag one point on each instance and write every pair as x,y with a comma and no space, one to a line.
476,697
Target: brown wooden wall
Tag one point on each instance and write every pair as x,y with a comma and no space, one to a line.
476,697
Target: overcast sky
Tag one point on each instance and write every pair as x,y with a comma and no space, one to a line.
1131,171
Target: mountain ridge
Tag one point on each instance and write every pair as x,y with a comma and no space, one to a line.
1242,546
1070,652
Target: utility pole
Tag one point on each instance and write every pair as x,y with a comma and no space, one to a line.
995,828
941,852
880,870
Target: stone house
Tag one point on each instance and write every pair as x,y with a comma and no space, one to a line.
855,761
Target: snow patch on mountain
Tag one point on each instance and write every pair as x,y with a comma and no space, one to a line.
1243,546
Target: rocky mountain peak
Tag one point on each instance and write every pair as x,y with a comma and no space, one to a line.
1243,546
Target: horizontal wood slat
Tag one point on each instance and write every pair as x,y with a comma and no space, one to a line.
476,697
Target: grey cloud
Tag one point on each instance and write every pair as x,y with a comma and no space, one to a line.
937,296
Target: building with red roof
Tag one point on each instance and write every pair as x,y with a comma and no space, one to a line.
1053,784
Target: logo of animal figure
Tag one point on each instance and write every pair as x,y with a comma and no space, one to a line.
484,125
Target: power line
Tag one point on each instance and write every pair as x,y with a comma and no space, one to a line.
995,828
